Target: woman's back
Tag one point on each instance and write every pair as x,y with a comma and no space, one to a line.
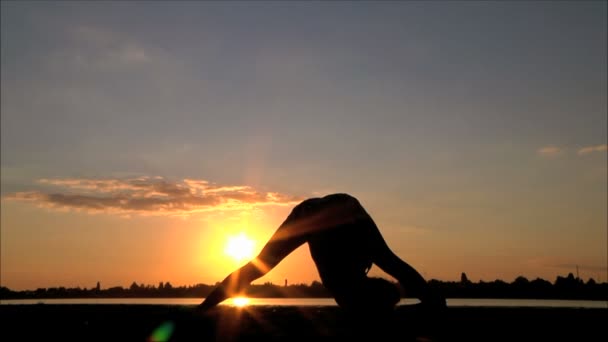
342,249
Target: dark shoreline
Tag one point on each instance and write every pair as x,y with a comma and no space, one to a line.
108,322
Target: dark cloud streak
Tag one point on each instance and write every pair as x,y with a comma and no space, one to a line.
148,196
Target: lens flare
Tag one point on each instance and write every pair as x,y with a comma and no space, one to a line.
162,333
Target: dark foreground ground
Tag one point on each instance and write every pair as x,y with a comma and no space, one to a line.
46,322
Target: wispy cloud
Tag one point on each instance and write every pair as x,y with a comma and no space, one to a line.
149,196
549,151
95,47
573,267
591,149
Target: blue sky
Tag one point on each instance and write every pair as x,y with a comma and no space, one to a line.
453,119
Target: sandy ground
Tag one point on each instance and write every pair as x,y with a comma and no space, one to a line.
266,323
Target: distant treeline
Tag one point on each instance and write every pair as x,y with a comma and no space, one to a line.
567,287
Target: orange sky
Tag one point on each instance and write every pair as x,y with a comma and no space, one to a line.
50,247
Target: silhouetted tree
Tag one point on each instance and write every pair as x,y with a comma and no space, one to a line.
568,287
521,280
565,288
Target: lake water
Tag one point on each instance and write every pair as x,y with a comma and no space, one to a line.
453,302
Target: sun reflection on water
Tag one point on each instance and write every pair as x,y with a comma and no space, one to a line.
240,301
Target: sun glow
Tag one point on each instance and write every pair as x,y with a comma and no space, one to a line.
240,247
240,301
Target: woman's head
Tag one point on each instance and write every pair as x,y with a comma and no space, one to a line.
371,295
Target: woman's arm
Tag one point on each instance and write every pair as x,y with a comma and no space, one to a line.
409,278
233,284
285,240
412,282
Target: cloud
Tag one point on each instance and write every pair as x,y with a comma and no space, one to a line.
573,267
149,196
549,151
95,47
550,262
591,149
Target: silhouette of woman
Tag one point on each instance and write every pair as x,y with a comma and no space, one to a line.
344,242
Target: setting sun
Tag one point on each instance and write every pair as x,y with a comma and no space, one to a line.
239,247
